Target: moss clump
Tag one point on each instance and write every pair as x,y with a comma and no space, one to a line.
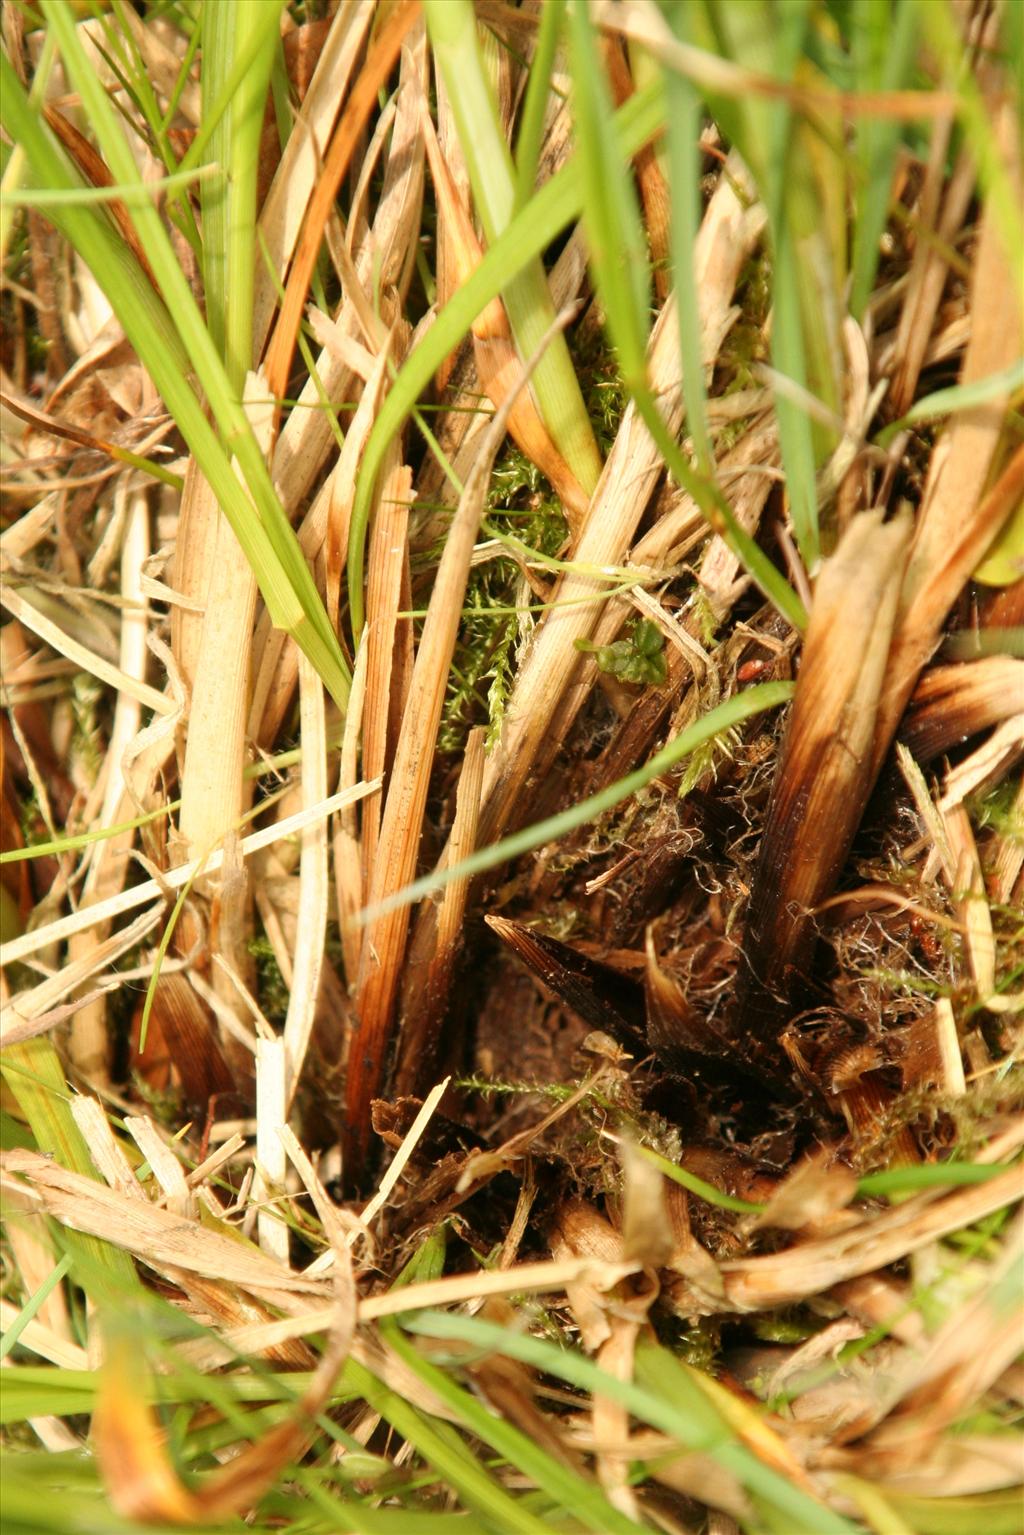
271,987
498,600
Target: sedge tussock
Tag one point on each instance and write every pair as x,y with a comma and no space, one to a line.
511,853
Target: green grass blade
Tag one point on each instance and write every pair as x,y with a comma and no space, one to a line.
957,397
796,443
44,198
770,40
664,1395
33,1072
611,209
445,1452
698,1186
84,227
32,1305
619,265
538,88
265,25
563,1486
929,1175
941,26
229,210
453,34
997,1513
883,42
683,116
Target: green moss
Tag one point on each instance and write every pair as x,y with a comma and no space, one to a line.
271,987
747,344
519,503
784,1327
703,760
697,1345
999,808
601,384
164,1104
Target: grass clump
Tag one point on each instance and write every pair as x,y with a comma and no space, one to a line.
585,1094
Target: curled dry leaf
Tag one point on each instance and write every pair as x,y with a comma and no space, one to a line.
131,1447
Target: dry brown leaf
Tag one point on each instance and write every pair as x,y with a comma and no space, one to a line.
957,521
384,942
153,1235
823,778
429,975
809,1194
808,1268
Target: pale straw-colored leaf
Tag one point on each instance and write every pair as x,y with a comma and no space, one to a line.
106,1150
971,901
780,1279
163,1164
300,164
87,660
348,878
25,1014
153,889
42,1340
311,929
386,568
271,1163
957,520
90,1041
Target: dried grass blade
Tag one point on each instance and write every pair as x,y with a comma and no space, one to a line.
967,1355
823,777
953,702
91,1040
311,926
972,907
63,643
25,1014
781,1279
348,878
949,543
106,1150
163,1164
388,563
213,788
494,349
153,1235
383,268
371,77
271,1163
296,175
173,879
428,977
131,1447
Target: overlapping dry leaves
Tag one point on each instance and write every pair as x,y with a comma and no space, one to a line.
838,1001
